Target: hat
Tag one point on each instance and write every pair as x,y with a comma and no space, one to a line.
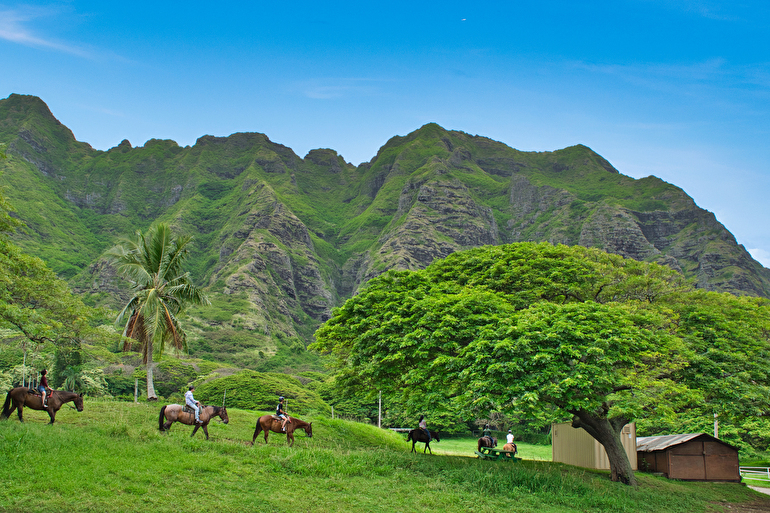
509,430
280,398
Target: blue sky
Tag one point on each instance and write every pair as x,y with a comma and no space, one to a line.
679,89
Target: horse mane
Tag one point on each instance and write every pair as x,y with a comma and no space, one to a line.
64,394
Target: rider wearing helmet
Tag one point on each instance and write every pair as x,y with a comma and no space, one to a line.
281,414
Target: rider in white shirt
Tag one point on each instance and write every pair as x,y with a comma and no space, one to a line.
509,437
192,403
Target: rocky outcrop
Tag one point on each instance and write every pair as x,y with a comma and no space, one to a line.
292,237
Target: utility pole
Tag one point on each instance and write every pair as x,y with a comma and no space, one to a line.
379,412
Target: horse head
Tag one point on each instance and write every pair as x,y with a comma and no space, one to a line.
78,402
309,430
223,415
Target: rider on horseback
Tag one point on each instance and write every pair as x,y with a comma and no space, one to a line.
43,387
423,424
281,414
192,403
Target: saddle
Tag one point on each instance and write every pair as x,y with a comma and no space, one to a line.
279,419
187,409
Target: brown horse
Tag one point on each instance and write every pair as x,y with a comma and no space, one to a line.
269,423
23,396
486,441
175,413
418,435
511,447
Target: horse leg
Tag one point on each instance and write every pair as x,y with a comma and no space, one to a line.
52,414
206,429
256,432
290,438
427,448
413,442
19,409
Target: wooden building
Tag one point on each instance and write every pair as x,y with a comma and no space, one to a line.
574,446
692,457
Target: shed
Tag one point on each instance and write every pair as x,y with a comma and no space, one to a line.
574,446
692,457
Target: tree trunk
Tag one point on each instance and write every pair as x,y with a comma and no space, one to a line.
607,433
150,384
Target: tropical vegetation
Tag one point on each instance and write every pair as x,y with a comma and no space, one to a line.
552,332
153,264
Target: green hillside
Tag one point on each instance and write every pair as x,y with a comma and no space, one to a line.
111,457
280,239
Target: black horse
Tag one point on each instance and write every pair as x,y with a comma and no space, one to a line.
486,441
418,435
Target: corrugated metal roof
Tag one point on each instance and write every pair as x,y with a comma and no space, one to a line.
659,443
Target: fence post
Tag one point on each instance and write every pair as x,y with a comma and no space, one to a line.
136,390
379,412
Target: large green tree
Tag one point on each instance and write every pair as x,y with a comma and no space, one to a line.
36,307
153,264
535,329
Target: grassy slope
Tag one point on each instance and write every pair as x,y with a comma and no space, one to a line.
112,458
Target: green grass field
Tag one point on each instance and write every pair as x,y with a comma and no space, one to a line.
112,458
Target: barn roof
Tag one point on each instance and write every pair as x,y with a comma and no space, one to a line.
660,443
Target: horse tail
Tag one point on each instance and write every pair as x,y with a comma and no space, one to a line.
160,419
6,407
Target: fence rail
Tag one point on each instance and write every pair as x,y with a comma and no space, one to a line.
756,473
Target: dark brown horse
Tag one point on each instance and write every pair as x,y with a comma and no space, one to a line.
486,441
418,435
175,413
269,423
23,396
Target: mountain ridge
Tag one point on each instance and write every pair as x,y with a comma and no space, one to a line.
282,239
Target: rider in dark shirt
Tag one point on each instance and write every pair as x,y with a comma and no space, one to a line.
281,414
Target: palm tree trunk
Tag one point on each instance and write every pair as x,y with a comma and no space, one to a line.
150,384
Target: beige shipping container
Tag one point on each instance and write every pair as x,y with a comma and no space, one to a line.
574,446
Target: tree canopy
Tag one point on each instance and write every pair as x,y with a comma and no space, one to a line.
551,332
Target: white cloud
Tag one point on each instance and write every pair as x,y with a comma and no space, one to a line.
14,28
330,88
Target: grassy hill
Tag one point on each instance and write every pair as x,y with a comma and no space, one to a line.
111,457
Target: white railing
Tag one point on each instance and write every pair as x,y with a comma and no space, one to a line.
756,473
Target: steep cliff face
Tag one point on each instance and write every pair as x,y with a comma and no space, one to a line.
281,239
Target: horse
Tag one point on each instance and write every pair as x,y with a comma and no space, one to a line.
418,435
486,441
23,396
269,423
175,413
510,447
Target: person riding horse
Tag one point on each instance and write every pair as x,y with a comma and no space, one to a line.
423,424
281,414
193,404
43,387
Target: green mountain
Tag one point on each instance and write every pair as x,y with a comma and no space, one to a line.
280,240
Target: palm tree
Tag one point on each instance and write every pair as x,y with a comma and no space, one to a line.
152,263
